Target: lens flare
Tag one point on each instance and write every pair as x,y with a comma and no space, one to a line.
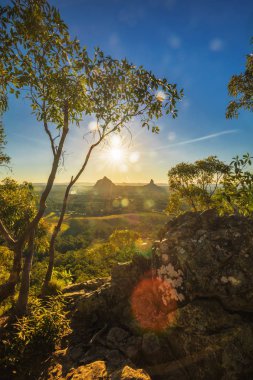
160,96
115,141
134,157
148,307
93,126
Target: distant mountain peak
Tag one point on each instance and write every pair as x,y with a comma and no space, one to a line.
104,185
151,186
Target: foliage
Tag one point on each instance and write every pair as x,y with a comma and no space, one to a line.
124,238
54,287
41,238
17,205
241,88
38,57
193,185
60,279
5,263
72,264
44,325
236,195
63,83
71,243
4,158
40,330
120,91
6,256
210,183
37,52
98,259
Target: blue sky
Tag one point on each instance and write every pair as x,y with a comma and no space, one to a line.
198,44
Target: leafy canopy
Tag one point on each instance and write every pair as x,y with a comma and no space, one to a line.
17,205
236,194
35,50
38,55
240,87
210,183
193,185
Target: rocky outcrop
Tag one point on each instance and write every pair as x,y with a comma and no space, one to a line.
98,371
152,187
204,264
187,313
203,255
104,187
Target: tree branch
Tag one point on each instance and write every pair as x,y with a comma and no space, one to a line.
50,137
6,235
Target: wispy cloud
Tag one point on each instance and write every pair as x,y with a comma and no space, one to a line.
29,139
171,136
202,138
114,40
216,45
131,15
174,42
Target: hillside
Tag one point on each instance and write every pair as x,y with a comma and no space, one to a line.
190,318
190,324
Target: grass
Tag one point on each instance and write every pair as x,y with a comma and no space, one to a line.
146,223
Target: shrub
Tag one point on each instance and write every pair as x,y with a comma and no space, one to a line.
45,324
54,287
37,332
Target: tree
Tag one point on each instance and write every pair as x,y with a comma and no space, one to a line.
241,88
118,92
64,84
34,57
193,186
236,194
18,205
124,238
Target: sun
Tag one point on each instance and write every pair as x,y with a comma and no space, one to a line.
115,154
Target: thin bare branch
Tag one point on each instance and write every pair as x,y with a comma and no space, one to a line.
50,137
6,235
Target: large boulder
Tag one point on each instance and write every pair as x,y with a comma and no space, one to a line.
204,255
203,267
111,301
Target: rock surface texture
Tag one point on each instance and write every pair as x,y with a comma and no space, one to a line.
187,313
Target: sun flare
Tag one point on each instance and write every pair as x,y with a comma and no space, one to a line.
115,154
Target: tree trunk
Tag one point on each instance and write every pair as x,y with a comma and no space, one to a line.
21,306
8,288
57,229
